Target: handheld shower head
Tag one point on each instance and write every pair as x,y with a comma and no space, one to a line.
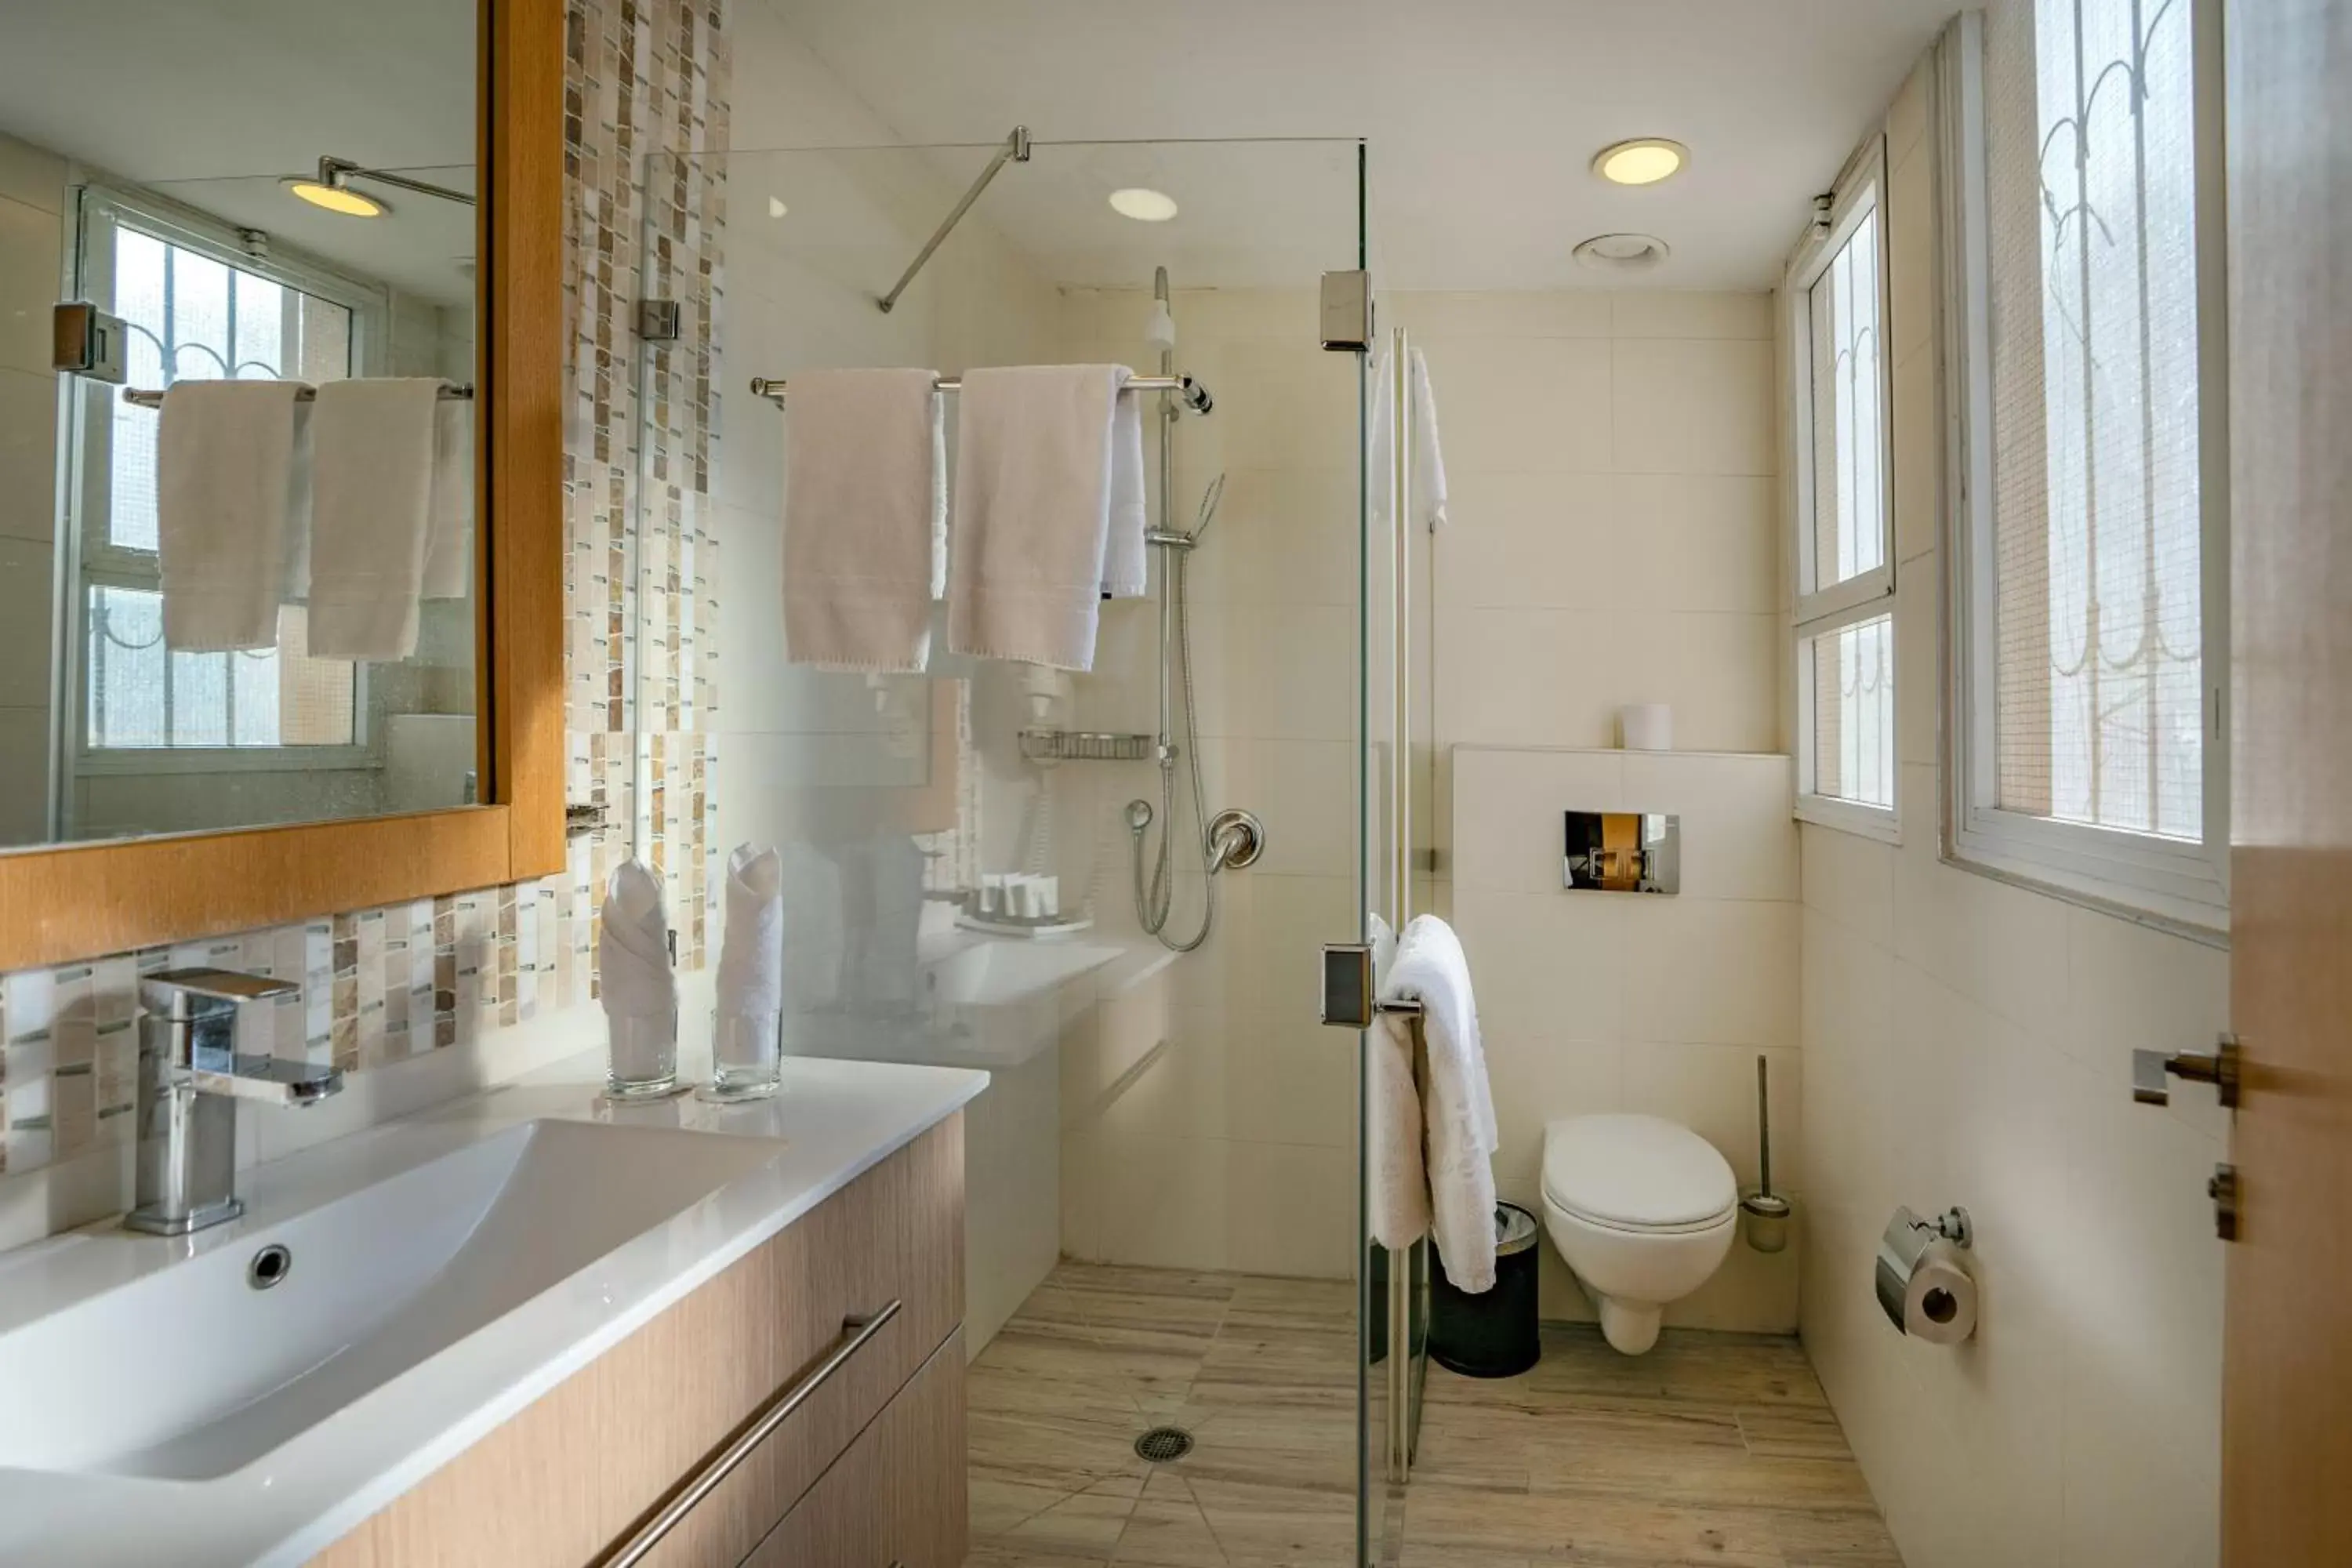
1209,500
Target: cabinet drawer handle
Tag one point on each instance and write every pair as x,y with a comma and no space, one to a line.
855,1332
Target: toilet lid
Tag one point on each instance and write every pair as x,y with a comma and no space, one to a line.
1639,1171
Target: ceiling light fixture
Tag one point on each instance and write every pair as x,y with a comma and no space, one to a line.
1643,162
1142,204
337,198
1623,252
776,208
333,188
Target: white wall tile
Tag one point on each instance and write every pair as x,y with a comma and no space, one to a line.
1305,793
1911,267
28,454
1690,313
1291,1210
1527,539
1701,542
1711,971
1535,678
1691,406
1538,405
1711,1090
1739,833
1547,966
1718,671
1508,834
1916,437
1439,315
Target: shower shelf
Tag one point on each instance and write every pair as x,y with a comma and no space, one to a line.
1084,746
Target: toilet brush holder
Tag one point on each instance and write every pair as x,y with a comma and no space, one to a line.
1763,1213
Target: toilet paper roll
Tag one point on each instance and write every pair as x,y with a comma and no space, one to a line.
1931,1296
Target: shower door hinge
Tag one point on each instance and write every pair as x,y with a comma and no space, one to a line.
1347,311
1347,986
657,320
86,341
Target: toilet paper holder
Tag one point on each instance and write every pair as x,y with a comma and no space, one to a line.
1922,1282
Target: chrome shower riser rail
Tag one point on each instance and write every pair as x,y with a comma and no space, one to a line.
1190,392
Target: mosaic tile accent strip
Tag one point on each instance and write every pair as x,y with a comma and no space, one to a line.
384,984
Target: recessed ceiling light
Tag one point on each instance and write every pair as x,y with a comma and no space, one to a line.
337,198
1623,252
1142,204
776,208
1640,162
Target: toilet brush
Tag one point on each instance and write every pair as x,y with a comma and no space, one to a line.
1764,1214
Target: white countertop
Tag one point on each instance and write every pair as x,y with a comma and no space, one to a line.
833,1121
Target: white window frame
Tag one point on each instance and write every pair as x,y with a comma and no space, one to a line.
2172,883
1859,189
87,451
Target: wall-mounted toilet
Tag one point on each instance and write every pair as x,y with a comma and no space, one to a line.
1643,1211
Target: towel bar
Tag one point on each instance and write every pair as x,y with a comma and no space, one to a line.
1196,396
152,397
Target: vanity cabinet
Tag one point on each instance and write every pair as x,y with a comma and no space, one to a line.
868,1468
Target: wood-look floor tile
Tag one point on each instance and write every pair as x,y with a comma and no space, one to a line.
1168,1529
1713,1448
1598,1531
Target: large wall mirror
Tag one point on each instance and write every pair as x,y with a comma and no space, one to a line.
279,437
228,611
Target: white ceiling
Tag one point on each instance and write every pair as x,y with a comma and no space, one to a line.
186,96
1482,118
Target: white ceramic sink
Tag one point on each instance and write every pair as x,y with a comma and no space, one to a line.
191,1372
1004,974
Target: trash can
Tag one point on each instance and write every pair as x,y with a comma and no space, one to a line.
1492,1335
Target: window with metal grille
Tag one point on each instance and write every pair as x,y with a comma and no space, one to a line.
1844,626
2094,527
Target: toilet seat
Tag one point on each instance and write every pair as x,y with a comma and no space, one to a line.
1642,1174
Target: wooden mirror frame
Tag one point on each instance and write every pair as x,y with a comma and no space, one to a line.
86,900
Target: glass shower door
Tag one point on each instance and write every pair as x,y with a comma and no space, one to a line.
1164,1280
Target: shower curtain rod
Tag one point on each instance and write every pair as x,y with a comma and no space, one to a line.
1014,150
1194,395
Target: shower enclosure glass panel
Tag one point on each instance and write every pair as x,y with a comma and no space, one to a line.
1163,1178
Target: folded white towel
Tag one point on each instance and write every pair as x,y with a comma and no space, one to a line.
634,979
865,518
1457,1105
224,467
449,523
1126,561
371,502
752,955
811,926
1427,504
1033,501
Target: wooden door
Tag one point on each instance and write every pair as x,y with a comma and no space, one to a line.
2287,1378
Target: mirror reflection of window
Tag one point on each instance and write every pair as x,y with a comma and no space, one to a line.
190,314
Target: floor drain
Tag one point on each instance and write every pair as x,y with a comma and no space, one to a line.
1163,1445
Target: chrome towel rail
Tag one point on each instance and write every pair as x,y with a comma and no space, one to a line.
1195,397
152,397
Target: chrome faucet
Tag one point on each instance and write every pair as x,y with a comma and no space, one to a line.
190,1080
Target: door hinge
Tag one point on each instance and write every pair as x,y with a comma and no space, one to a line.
2224,1191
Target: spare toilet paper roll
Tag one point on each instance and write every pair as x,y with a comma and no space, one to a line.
1930,1297
1646,727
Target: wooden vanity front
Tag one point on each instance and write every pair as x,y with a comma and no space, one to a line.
868,1466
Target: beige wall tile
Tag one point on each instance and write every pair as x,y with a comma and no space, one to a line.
28,454
1507,406
1689,313
31,266
1692,406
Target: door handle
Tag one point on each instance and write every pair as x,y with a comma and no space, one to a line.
2152,1072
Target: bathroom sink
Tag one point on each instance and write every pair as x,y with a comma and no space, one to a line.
1005,974
194,1370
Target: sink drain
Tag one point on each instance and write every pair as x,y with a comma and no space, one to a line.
269,1266
1163,1445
